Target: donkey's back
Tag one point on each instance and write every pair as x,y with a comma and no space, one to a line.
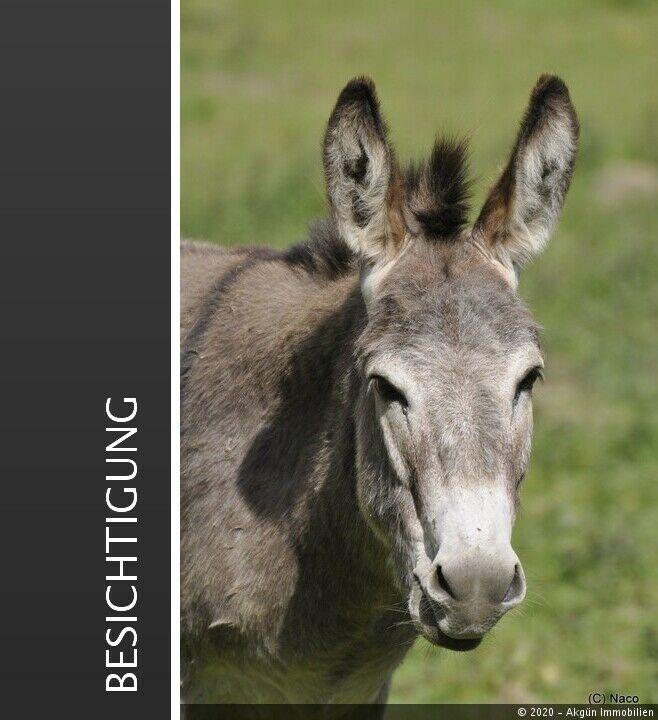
201,264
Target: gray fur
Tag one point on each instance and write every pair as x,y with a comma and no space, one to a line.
317,513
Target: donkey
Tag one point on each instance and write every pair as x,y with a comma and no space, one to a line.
356,417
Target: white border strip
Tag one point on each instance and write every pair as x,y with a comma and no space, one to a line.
175,359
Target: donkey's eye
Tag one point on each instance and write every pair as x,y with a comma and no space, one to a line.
387,391
529,379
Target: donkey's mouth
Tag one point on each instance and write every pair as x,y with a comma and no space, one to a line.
455,644
427,622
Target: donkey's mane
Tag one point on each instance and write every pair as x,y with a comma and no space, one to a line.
324,254
437,193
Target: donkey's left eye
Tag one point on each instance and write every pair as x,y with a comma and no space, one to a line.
527,382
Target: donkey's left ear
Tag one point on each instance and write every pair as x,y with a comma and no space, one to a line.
363,180
524,205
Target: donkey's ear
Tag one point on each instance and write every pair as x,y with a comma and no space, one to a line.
363,182
524,205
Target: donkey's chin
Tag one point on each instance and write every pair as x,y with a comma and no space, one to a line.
427,623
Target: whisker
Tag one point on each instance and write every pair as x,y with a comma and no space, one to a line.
400,624
395,610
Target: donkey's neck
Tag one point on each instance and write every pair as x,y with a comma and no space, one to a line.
343,567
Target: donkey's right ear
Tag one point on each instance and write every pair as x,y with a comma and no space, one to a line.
363,181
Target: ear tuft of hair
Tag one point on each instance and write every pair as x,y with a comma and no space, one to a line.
550,97
438,190
360,96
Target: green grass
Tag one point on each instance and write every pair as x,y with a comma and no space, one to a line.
258,82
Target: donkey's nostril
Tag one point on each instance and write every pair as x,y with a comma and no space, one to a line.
516,591
443,583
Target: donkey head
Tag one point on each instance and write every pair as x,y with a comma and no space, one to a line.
450,354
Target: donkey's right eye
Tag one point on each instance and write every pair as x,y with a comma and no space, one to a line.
387,391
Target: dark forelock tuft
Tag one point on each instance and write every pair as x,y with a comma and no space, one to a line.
438,190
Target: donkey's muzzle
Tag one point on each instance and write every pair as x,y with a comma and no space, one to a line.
461,596
469,592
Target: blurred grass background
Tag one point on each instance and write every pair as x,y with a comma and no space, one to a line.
258,82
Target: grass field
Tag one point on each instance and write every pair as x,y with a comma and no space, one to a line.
258,82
